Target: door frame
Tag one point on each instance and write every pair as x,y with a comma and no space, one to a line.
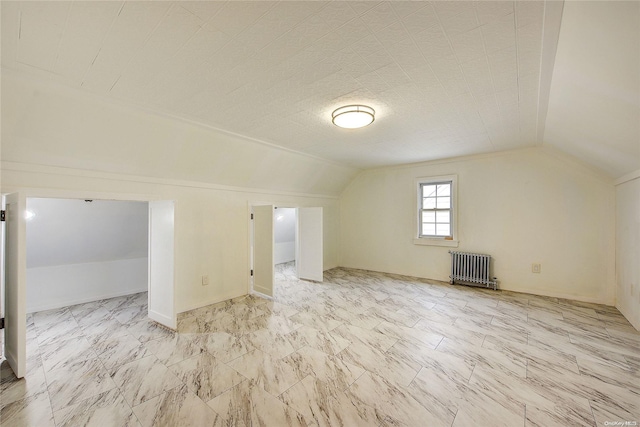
284,205
298,240
250,205
85,195
254,266
17,358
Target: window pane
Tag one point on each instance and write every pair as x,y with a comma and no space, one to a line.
428,216
435,210
429,203
444,202
443,230
444,190
428,229
428,191
442,217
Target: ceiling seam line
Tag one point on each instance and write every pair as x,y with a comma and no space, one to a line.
104,37
142,45
66,24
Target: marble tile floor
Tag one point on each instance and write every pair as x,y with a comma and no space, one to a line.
359,349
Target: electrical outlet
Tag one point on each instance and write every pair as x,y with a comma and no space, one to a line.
205,280
535,268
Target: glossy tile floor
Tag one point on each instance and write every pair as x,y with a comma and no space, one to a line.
360,349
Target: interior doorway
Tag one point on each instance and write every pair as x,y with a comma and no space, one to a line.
159,269
81,251
266,251
284,246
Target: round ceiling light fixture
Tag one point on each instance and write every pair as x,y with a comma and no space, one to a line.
353,116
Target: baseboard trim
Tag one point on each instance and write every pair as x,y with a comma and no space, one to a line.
544,293
259,290
54,306
501,287
13,362
261,295
164,320
211,301
634,322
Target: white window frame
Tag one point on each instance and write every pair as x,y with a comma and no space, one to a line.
436,240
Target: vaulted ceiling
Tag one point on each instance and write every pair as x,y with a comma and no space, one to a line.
594,104
446,78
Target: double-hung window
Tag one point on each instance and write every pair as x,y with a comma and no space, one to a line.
437,211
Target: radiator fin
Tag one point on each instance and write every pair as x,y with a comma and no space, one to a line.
472,269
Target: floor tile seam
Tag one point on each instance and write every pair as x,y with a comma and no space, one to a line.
121,393
236,370
182,384
290,387
153,397
473,370
217,395
57,340
593,413
83,360
572,339
261,386
453,421
104,302
87,397
207,404
100,354
49,400
168,366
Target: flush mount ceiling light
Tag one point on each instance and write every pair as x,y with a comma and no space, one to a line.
353,116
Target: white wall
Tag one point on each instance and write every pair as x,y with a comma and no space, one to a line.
522,207
628,250
594,100
63,285
284,236
67,231
211,224
58,143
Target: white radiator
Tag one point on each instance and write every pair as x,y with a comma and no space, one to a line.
472,269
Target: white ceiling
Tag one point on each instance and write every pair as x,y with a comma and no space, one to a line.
446,78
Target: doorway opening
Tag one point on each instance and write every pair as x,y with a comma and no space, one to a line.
59,252
284,246
81,251
270,245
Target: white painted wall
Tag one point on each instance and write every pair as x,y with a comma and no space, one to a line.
522,207
68,231
594,101
284,236
284,252
63,285
211,224
628,250
59,143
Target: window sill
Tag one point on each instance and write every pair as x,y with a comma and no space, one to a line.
435,242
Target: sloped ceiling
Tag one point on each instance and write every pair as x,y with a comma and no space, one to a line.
64,231
594,102
54,125
446,78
